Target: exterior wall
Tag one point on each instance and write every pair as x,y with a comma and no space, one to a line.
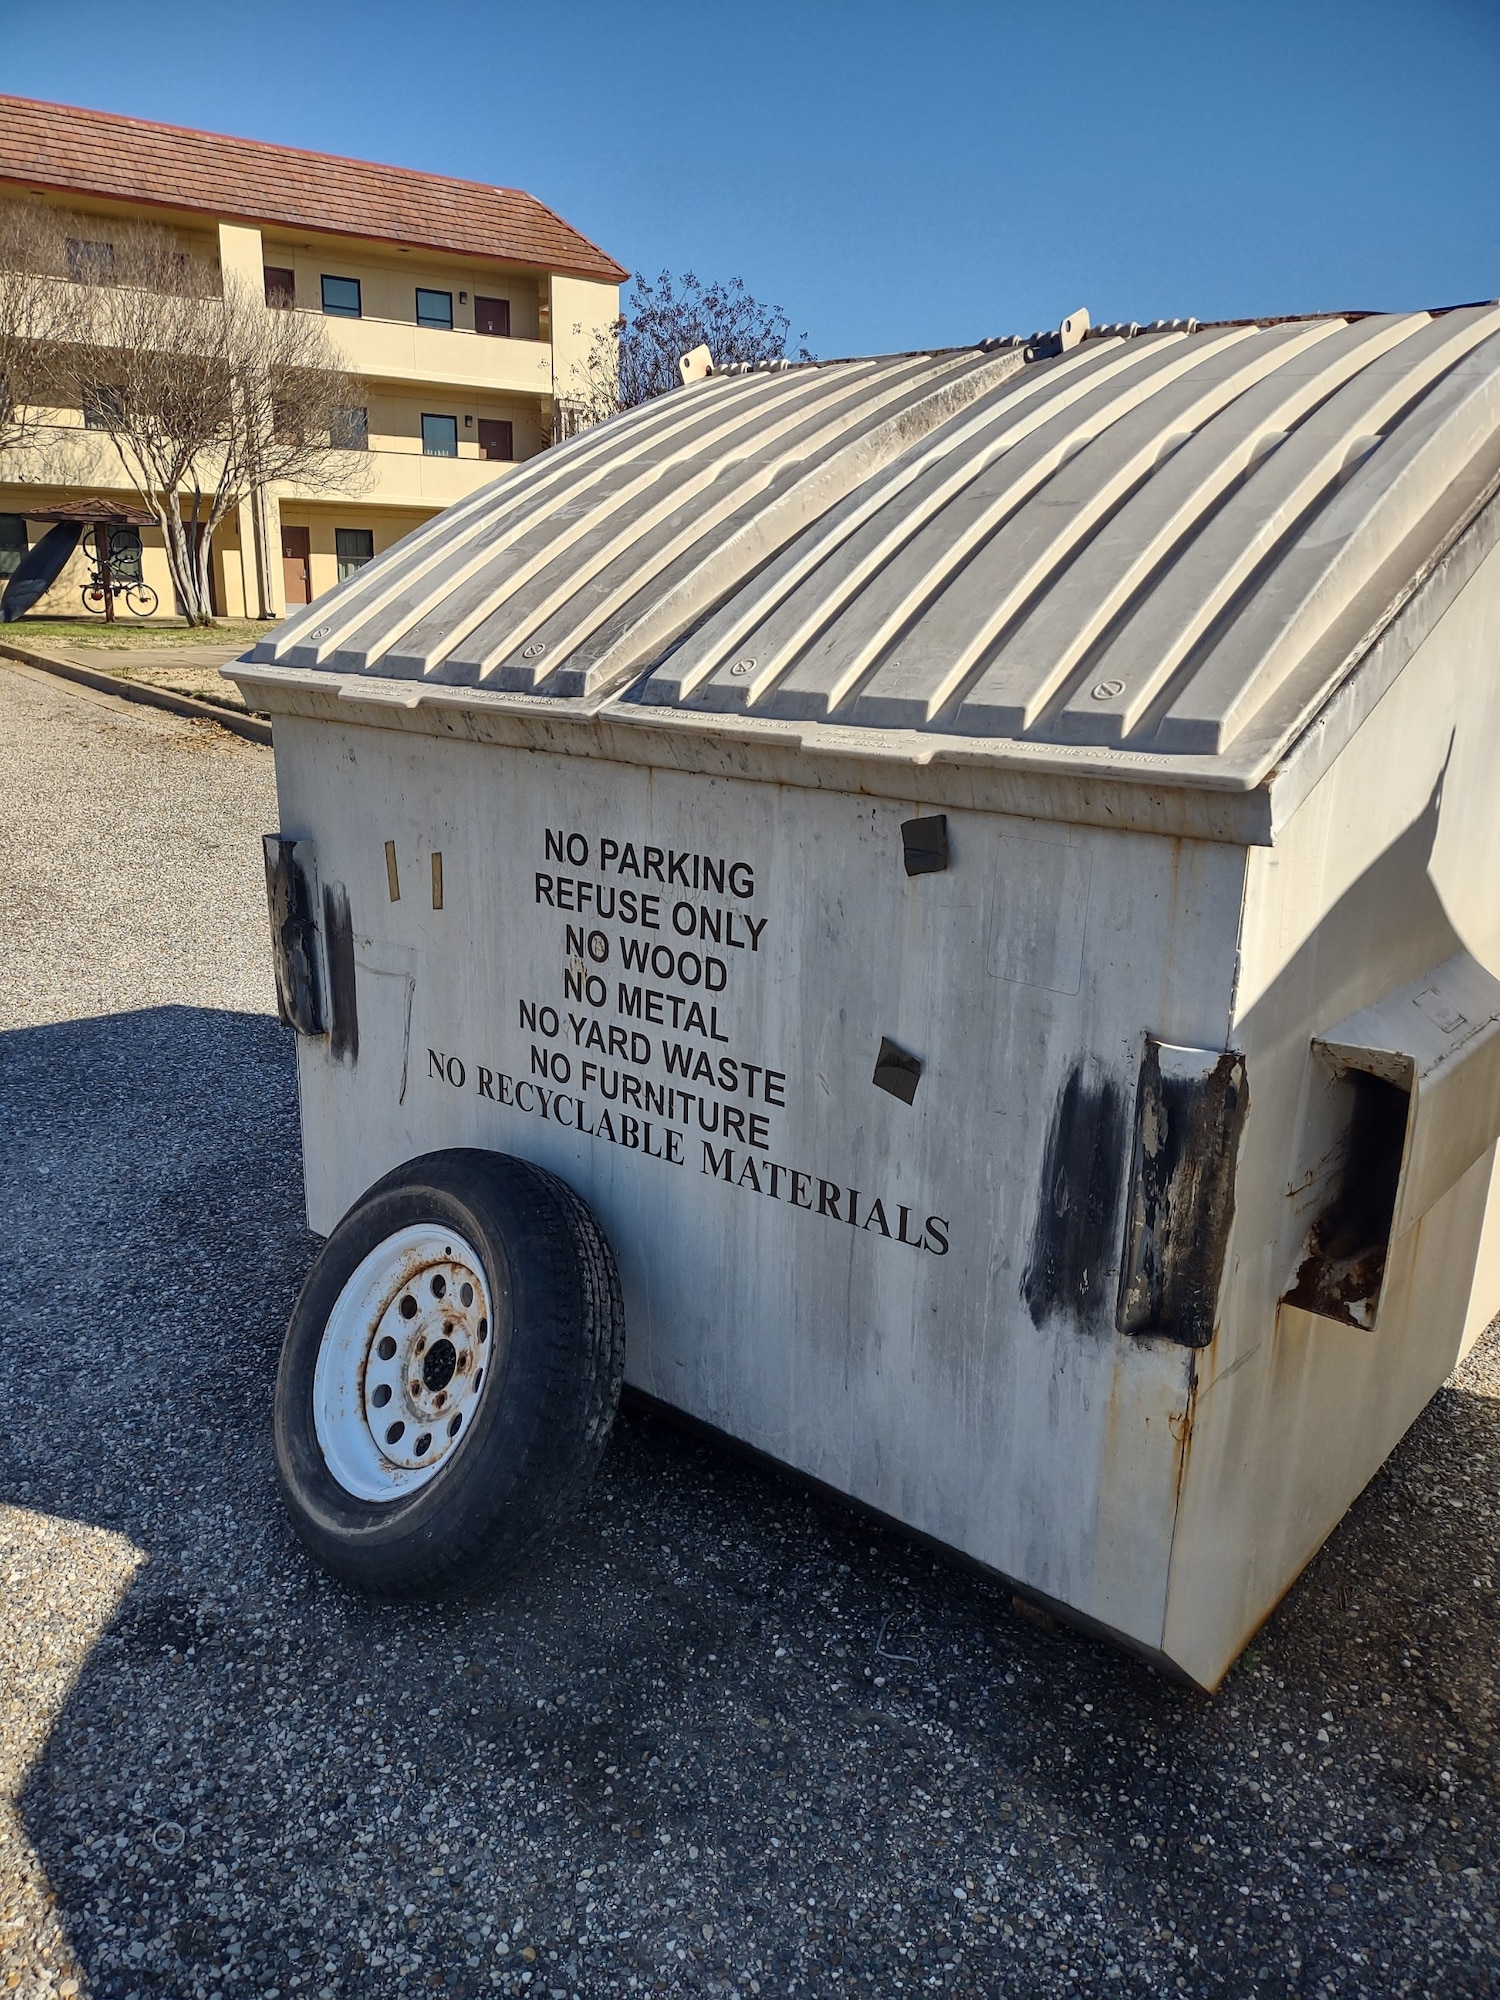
581,309
395,419
1386,869
322,522
389,280
194,234
239,251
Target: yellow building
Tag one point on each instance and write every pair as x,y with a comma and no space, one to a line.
466,310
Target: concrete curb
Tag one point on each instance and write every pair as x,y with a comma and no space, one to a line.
249,726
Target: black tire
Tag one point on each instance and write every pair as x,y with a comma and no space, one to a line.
556,1359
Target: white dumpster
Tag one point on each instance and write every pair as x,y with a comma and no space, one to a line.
975,875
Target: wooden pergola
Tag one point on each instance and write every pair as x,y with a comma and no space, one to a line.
103,516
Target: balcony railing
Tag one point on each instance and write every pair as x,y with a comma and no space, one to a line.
68,457
411,479
400,350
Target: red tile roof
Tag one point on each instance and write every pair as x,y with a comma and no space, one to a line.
58,147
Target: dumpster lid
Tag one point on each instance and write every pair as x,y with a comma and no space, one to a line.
1158,552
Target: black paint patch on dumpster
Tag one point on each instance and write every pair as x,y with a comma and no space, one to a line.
1074,1229
338,943
1190,1111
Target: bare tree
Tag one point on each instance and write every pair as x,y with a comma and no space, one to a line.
32,303
636,358
206,394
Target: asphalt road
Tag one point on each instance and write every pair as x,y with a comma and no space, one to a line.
725,1736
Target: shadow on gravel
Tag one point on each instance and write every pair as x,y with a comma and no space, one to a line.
725,1736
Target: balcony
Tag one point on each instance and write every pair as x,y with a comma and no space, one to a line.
68,459
393,350
408,479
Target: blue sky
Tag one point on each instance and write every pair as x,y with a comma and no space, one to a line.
895,175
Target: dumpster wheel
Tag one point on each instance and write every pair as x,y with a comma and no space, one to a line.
449,1375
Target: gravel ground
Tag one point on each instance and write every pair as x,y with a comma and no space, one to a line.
726,1736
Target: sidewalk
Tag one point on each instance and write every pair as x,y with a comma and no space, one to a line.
184,678
192,670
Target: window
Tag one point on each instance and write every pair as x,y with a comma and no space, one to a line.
496,439
102,405
281,286
90,263
354,548
492,316
288,421
341,298
439,437
434,308
13,543
350,430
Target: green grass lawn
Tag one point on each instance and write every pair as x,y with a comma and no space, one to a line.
130,634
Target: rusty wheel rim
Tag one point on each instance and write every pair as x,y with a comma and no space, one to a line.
403,1363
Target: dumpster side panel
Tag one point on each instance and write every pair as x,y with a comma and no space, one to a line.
673,989
1388,868
1484,1294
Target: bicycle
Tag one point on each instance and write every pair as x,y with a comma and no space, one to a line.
117,573
139,598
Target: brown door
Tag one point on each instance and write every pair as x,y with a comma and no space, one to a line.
496,440
296,564
492,316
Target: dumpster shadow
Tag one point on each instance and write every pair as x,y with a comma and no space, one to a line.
724,1730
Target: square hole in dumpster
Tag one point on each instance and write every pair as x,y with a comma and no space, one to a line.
1354,1187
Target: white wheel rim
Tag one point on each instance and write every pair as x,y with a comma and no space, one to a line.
404,1362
